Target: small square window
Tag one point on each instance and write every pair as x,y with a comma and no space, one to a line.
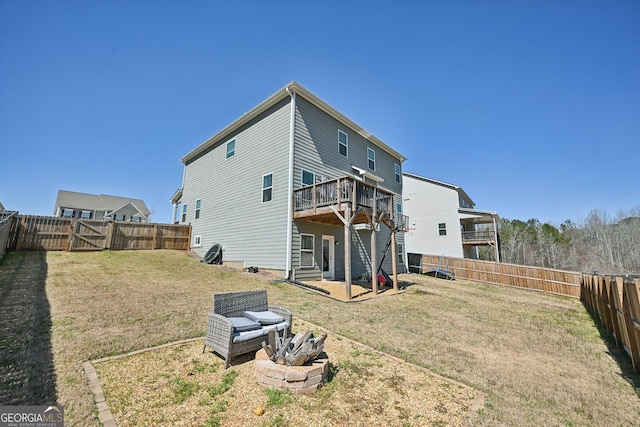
267,188
86,215
197,241
231,148
343,143
442,229
135,218
308,178
197,210
119,217
371,157
396,169
67,213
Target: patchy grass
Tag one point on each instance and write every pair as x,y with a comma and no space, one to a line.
230,398
538,359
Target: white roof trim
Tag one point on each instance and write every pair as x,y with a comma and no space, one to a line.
366,173
292,87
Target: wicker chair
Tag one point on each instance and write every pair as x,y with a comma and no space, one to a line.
220,331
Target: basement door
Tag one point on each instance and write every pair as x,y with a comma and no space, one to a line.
328,258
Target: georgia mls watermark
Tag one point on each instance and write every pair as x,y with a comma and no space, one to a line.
32,416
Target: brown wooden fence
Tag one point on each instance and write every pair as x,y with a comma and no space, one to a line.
615,302
541,279
67,234
7,222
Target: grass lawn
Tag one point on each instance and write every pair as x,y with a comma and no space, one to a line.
537,359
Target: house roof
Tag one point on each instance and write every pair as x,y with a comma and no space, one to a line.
299,90
1,207
98,202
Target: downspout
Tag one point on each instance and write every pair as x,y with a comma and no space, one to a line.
292,119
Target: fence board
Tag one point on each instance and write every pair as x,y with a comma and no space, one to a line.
536,278
66,234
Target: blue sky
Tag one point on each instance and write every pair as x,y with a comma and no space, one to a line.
532,107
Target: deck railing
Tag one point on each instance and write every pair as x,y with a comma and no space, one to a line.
342,190
478,236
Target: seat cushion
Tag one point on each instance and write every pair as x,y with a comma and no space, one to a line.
263,317
247,335
278,327
242,324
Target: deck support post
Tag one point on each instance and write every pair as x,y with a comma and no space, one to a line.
394,258
347,220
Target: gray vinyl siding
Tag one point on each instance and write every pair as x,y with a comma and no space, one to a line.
316,150
232,212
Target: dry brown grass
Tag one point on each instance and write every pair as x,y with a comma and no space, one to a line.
181,386
538,359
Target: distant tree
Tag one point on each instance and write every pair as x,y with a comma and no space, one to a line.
600,243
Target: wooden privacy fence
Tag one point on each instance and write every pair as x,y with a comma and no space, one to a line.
541,279
7,222
67,234
615,302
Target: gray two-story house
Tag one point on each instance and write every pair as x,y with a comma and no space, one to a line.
294,185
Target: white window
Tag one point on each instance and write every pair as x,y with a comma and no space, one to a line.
67,213
400,253
306,250
119,217
267,188
396,169
231,148
135,218
184,213
197,213
343,143
86,215
371,157
197,241
308,178
442,229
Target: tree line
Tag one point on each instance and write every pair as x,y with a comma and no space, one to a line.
608,245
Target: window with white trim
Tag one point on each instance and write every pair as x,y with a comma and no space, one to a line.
67,213
308,178
197,210
306,250
343,143
371,159
442,229
135,218
119,217
396,170
197,241
267,187
400,253
85,215
231,148
184,213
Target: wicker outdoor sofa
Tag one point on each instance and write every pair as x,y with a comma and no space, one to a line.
231,327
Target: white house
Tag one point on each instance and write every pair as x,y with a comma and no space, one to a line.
444,221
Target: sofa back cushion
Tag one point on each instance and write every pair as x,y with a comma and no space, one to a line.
234,304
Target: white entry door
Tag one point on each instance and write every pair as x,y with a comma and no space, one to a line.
328,258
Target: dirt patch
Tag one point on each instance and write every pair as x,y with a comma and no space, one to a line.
359,291
181,386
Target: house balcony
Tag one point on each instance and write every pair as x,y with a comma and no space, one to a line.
479,238
320,202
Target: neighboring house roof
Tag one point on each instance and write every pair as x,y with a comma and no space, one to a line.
299,90
101,202
1,207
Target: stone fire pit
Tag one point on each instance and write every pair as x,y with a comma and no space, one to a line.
298,364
